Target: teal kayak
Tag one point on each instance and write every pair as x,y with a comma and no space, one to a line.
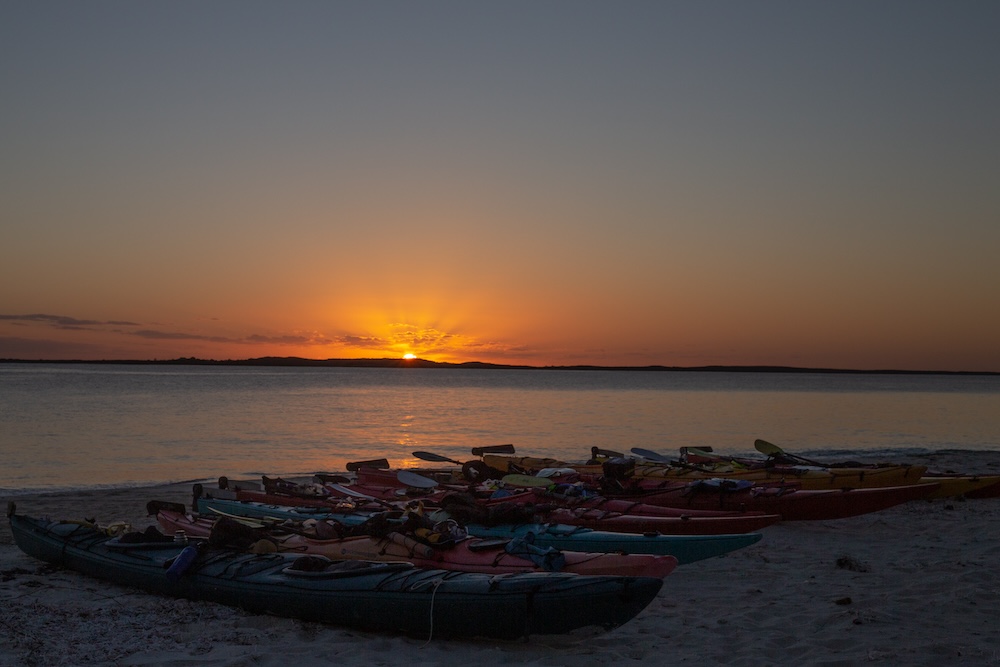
384,596
685,548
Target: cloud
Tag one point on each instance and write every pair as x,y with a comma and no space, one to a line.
314,338
426,340
361,341
179,335
24,348
435,341
65,322
409,334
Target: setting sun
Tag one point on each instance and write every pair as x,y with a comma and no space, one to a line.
409,355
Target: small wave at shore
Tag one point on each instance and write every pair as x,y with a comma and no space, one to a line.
94,488
970,461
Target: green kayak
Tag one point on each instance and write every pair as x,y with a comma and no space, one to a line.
392,597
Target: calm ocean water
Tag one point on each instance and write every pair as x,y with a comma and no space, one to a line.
66,426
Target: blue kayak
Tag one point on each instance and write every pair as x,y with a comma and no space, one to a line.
392,597
685,548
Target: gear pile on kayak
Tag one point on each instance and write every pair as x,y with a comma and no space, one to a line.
502,547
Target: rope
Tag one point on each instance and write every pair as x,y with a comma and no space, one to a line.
437,584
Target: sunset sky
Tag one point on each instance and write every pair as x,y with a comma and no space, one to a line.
558,182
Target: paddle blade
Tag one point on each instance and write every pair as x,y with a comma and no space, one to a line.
414,480
347,491
765,447
493,449
775,452
650,455
437,458
381,464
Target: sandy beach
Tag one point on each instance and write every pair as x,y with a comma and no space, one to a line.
913,585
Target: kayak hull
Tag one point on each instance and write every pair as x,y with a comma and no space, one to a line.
794,504
393,597
663,525
968,486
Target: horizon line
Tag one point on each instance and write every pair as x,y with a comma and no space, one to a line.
391,362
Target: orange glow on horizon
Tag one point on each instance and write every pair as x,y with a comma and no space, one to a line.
503,340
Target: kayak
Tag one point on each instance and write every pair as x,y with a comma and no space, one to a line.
339,492
685,548
951,485
601,514
967,486
663,525
792,504
348,498
991,491
467,555
388,596
807,477
737,505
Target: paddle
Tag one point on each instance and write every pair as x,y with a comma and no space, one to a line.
772,450
707,452
437,458
357,494
765,447
255,522
380,464
476,451
650,455
493,449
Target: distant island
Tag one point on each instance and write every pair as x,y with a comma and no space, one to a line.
478,365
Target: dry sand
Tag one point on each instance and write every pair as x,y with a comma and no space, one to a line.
918,584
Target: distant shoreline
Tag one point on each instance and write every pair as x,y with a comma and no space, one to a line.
480,365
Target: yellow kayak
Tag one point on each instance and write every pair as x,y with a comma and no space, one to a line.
805,477
959,485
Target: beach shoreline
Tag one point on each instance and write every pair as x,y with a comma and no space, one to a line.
912,585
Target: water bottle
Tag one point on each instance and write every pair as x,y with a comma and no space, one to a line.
182,562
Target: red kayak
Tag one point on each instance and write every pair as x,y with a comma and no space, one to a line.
490,556
388,485
636,508
372,496
615,515
791,503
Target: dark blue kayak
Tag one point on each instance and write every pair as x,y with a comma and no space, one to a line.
394,597
685,548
